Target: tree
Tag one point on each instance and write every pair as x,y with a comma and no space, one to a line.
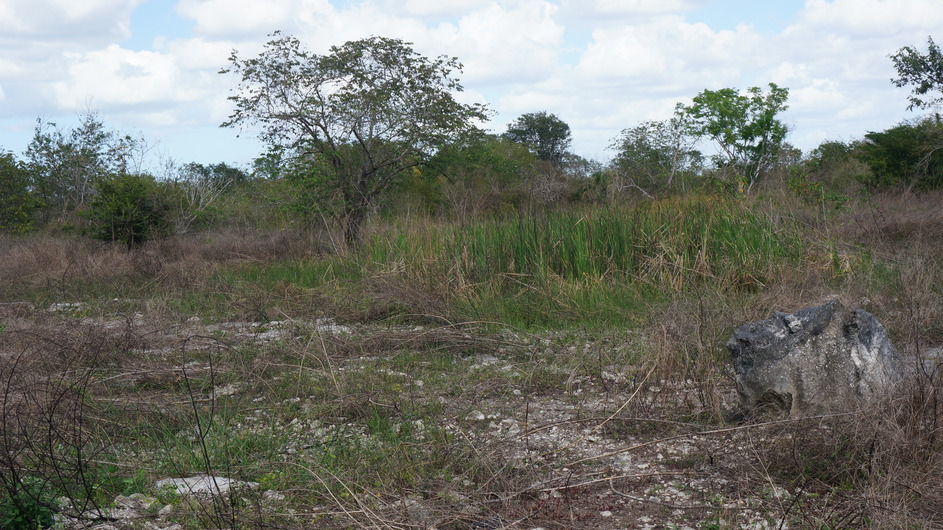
17,202
653,153
547,135
368,111
220,175
923,71
127,208
743,126
909,154
837,165
65,164
196,187
481,173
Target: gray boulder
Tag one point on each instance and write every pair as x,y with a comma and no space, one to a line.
818,359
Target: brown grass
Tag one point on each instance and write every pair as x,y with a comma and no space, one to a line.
879,468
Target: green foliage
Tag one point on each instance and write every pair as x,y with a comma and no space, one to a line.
653,153
908,154
814,192
743,125
65,164
195,191
370,109
219,175
924,72
836,165
659,241
27,506
547,135
575,265
17,202
312,192
128,208
480,174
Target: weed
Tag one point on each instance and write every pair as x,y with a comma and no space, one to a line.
480,369
27,505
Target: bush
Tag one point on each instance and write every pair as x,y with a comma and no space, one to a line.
128,208
26,506
17,203
906,155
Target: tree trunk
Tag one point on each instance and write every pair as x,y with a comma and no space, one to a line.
353,225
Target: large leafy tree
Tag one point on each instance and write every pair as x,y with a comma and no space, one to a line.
546,134
922,71
364,113
744,126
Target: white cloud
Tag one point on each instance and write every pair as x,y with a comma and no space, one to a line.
11,21
873,18
434,8
668,54
200,54
9,69
631,8
97,20
239,17
516,40
498,44
159,119
601,65
118,77
818,95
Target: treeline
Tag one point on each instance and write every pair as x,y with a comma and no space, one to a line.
372,129
91,179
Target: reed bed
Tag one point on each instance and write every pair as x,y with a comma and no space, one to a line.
674,243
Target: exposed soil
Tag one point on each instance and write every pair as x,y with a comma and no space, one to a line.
608,447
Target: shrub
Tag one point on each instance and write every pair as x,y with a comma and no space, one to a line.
26,506
17,203
129,209
906,155
814,192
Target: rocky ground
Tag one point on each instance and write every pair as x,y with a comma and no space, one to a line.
573,435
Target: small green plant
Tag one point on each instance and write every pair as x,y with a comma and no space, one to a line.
712,523
812,192
27,506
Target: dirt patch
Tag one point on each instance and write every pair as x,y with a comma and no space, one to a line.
425,427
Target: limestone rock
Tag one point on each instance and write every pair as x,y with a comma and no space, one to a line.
205,485
818,359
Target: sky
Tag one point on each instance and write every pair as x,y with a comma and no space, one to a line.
151,67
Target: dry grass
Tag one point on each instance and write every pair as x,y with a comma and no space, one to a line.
563,408
45,261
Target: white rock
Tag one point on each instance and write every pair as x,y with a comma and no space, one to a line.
227,390
203,485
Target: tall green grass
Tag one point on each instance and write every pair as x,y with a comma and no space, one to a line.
673,243
583,264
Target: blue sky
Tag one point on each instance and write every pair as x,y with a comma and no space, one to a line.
150,66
